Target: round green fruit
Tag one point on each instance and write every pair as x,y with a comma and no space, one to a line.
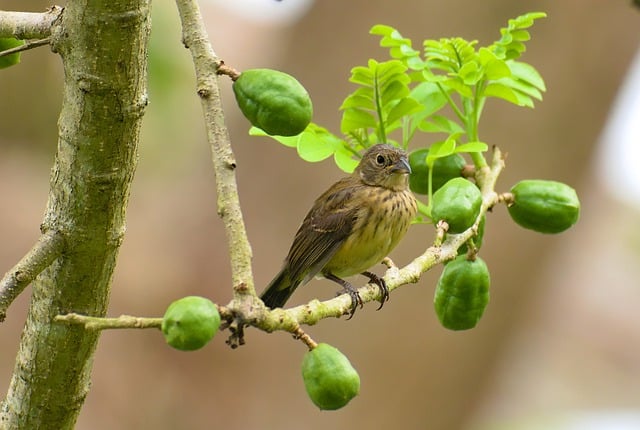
462,293
190,323
544,206
458,203
329,378
273,101
444,169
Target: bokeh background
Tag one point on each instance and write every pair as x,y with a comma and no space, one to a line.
559,345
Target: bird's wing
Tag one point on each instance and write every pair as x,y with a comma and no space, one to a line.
324,230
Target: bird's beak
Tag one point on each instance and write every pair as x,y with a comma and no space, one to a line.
402,166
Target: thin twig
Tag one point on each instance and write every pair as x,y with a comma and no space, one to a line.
206,64
121,322
29,44
48,247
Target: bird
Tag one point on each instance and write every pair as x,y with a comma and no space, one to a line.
351,227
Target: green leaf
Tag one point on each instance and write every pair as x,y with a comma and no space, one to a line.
449,55
357,100
356,118
522,87
345,160
290,141
520,35
399,47
394,91
470,73
387,70
526,73
406,106
442,149
510,45
440,124
430,97
11,59
457,85
382,100
494,68
361,75
502,91
314,146
472,147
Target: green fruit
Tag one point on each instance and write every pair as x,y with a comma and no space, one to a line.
329,378
458,203
544,206
444,169
190,323
462,293
273,101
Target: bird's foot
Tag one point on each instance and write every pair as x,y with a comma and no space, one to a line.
355,298
347,288
382,285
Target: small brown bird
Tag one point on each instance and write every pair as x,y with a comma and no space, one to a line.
351,227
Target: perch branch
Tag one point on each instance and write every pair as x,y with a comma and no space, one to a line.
315,310
48,247
206,65
445,248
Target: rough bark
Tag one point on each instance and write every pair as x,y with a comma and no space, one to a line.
103,46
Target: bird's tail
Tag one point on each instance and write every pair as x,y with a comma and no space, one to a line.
279,290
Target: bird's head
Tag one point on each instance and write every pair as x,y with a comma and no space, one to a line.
384,166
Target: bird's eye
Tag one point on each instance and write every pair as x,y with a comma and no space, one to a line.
380,160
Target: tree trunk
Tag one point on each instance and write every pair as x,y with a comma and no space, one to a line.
103,45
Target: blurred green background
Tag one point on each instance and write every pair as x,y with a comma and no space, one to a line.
560,337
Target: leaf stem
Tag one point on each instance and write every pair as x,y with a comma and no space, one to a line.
378,98
452,103
472,118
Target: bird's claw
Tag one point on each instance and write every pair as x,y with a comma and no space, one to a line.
382,285
355,300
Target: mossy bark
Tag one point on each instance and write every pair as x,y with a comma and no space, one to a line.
103,45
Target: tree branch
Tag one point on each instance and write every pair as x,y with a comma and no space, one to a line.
291,319
28,25
48,247
29,44
97,323
195,38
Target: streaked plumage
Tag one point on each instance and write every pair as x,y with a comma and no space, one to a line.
351,227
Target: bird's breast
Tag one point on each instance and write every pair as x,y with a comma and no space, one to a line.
383,218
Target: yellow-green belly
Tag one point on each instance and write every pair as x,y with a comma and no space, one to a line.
379,227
